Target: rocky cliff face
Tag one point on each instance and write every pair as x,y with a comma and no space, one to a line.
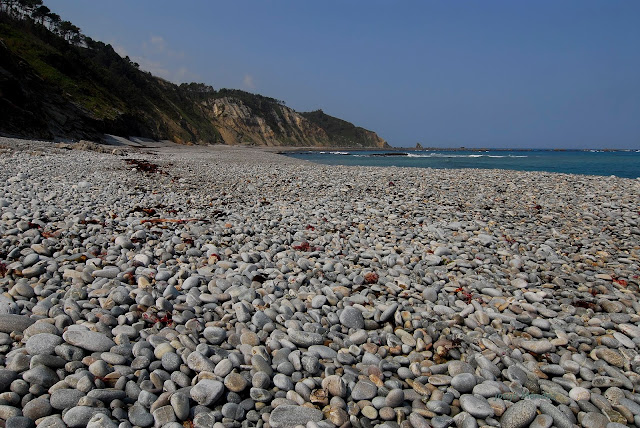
238,124
52,89
276,124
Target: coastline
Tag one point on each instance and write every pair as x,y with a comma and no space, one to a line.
269,281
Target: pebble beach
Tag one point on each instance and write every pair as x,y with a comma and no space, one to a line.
188,286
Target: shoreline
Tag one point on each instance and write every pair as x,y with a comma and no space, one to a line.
168,284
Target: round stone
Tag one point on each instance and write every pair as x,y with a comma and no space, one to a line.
369,412
364,390
37,408
288,416
394,398
335,385
171,361
537,346
463,382
476,406
236,382
352,318
207,391
578,393
283,382
80,416
519,415
542,421
457,367
594,420
65,398
89,340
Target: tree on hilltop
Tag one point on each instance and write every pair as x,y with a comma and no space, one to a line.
40,13
54,21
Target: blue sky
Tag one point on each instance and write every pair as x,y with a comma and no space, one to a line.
510,73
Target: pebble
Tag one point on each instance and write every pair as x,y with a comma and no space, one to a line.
89,340
65,398
351,317
305,338
280,297
80,416
364,390
288,416
12,322
463,382
594,420
476,406
578,393
519,415
207,391
542,421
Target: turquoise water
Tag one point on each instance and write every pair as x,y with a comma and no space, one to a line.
619,163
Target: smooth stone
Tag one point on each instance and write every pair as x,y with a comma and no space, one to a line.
594,420
199,363
13,322
351,317
80,416
41,375
476,406
578,393
439,380
457,367
394,398
438,406
215,335
335,385
559,418
233,411
305,338
6,377
542,421
180,404
223,368
364,390
235,382
415,419
325,351
369,412
519,415
107,395
139,416
207,391
65,398
101,420
37,408
290,416
163,416
612,357
463,382
89,340
22,422
283,382
537,346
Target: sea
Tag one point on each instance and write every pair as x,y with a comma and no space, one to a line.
619,163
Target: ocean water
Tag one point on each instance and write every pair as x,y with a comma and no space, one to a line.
605,163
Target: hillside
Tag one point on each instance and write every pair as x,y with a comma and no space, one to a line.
58,84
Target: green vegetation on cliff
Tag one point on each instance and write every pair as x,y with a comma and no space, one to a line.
57,83
343,133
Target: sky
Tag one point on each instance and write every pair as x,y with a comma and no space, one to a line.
450,73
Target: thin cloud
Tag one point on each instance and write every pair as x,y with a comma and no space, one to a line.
248,82
120,50
156,56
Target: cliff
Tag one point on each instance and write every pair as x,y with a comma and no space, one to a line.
53,88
